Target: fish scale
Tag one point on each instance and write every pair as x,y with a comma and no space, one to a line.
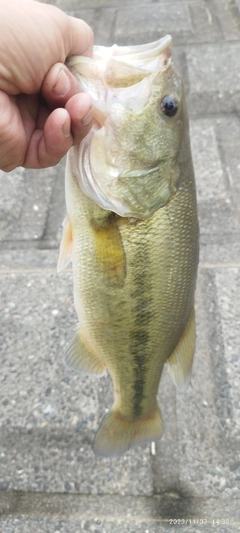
134,276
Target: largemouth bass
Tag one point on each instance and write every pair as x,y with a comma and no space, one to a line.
131,232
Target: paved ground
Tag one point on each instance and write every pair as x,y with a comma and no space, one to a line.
50,481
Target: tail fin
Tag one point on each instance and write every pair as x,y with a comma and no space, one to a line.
117,434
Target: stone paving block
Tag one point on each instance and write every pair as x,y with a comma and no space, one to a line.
83,11
61,512
48,413
206,26
131,27
208,413
210,178
25,201
166,509
43,525
217,204
195,23
57,207
26,260
228,131
236,3
228,15
214,81
101,20
11,201
198,425
198,20
212,254
54,525
228,293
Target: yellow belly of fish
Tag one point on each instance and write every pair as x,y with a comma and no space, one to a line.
134,320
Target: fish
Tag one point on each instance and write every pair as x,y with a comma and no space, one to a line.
131,232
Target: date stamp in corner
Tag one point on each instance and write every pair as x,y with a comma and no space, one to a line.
198,521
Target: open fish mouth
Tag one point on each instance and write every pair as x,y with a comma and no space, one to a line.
136,52
115,68
121,66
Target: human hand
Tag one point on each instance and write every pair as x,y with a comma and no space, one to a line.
42,112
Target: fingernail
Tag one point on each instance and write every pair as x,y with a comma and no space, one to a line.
62,85
87,119
66,129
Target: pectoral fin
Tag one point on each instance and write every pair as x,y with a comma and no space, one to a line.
179,363
81,358
65,253
109,250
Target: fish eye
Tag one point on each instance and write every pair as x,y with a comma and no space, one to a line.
169,106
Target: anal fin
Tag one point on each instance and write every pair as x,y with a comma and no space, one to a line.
179,363
109,250
79,357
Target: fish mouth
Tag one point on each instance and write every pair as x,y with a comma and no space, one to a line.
126,65
137,52
120,66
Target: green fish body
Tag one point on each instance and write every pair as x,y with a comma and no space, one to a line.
133,242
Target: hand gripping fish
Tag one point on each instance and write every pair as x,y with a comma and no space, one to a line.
131,233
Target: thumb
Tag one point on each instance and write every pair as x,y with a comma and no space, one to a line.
59,85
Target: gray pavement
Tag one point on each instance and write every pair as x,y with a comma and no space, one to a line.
50,480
